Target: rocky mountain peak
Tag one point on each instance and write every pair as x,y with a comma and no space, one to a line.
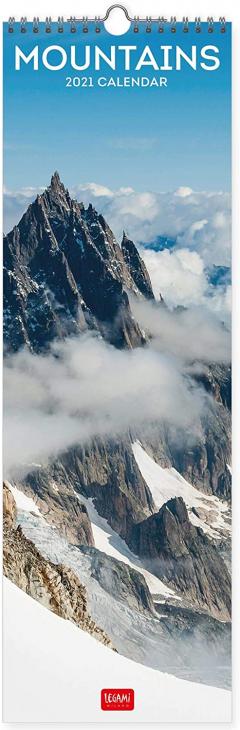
61,260
136,267
56,195
56,181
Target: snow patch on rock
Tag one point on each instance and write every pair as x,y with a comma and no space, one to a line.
109,542
164,484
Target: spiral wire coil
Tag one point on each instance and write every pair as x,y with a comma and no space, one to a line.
74,24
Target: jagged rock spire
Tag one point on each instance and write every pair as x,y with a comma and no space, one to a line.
57,187
136,267
74,255
57,192
55,180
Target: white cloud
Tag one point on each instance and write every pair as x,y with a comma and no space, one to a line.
178,275
197,226
90,389
193,334
96,190
183,192
221,303
15,204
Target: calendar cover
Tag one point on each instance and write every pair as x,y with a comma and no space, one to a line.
117,373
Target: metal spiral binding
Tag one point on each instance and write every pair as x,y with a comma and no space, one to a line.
161,22
48,25
35,25
73,26
11,25
222,22
97,24
210,25
148,24
198,25
136,26
23,22
136,22
85,24
60,24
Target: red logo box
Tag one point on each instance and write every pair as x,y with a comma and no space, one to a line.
117,699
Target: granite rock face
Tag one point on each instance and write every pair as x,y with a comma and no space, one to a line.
59,504
181,555
105,471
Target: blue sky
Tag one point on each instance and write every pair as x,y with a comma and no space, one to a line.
149,139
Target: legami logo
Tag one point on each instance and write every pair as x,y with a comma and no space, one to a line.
117,699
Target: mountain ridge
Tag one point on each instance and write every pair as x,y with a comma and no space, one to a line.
64,268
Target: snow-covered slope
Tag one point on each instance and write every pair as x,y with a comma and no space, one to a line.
54,672
22,501
167,483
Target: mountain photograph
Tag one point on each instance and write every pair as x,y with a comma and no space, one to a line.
117,492
117,475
